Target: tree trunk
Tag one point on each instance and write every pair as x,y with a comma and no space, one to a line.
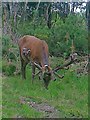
24,12
73,6
88,15
88,23
49,16
4,19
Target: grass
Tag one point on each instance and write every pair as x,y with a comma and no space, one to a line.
0,88
69,96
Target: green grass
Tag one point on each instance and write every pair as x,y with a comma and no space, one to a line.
69,96
0,66
0,88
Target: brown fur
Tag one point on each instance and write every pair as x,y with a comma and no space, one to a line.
38,53
36,46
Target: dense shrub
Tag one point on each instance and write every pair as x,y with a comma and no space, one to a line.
59,39
60,36
10,56
8,68
6,43
74,29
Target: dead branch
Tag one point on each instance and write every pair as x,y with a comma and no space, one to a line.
73,59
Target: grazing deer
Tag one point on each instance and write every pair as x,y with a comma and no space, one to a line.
36,50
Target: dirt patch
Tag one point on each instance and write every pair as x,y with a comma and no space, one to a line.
50,112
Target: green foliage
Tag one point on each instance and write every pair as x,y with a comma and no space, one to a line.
75,26
69,95
8,68
10,55
60,36
6,43
40,31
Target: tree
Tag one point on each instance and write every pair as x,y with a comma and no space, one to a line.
88,23
88,15
49,15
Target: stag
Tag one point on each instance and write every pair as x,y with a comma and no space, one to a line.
35,51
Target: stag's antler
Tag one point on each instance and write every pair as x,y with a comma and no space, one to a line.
37,65
73,58
38,72
58,74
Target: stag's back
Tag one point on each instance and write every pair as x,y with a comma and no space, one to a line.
38,48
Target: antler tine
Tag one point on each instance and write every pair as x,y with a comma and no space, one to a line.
58,75
38,66
62,67
38,72
73,58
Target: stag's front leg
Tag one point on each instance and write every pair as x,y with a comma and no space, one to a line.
33,72
23,69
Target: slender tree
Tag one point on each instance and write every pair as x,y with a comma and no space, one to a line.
49,16
88,23
88,15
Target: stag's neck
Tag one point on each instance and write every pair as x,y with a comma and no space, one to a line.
45,58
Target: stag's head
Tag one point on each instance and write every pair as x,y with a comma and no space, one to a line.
26,52
49,74
46,74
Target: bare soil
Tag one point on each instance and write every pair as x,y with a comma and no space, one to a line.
50,111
